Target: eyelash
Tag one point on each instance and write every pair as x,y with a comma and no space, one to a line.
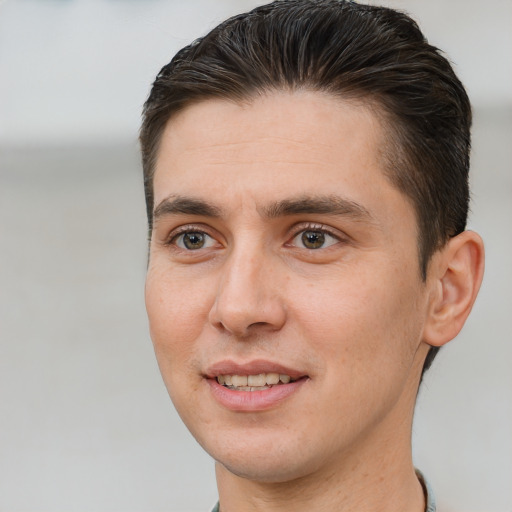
183,230
320,228
297,230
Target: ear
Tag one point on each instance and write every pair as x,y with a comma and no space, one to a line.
454,276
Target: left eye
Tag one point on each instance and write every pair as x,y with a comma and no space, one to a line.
194,240
314,239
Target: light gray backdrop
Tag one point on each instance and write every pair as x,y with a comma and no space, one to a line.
85,421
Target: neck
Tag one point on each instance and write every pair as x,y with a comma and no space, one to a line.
394,488
377,475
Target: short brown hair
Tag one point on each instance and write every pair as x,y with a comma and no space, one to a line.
352,51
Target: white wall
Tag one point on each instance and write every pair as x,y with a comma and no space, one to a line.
78,70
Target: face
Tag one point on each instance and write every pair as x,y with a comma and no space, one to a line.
284,293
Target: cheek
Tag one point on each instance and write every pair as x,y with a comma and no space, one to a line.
363,321
177,312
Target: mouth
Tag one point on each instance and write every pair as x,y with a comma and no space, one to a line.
254,386
258,382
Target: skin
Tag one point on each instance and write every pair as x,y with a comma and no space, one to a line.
353,315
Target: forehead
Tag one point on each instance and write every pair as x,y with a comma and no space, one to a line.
277,145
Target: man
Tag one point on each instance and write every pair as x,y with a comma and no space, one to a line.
306,182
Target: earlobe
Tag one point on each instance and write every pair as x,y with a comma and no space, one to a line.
455,276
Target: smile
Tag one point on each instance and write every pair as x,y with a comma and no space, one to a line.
258,382
253,386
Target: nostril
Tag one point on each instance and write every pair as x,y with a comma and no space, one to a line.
256,324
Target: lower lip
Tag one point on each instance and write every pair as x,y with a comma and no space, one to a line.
251,401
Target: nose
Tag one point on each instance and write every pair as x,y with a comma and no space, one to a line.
248,299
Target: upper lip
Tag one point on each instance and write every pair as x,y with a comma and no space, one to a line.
254,367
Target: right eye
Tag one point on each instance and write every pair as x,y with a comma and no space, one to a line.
193,240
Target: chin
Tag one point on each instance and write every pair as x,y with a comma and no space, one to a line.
261,457
275,469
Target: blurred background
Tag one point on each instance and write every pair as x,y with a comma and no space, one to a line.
85,421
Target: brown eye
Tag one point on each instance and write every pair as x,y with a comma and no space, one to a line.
313,239
194,240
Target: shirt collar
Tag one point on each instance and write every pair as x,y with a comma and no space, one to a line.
430,500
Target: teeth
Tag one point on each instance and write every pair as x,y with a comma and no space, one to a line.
256,380
272,378
253,382
252,388
239,380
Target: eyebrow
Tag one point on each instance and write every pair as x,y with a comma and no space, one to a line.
330,205
175,205
326,205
